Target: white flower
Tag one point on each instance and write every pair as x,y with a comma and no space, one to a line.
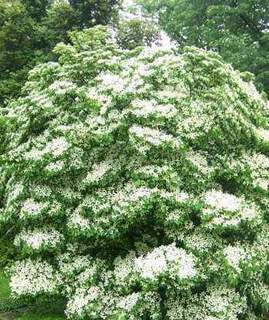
184,263
127,303
123,267
42,191
55,166
153,136
226,210
249,212
57,146
172,93
79,301
143,70
34,154
222,201
15,192
104,100
77,221
263,134
131,194
38,238
163,259
31,208
199,161
152,264
263,183
176,196
145,108
71,264
258,164
140,193
32,278
247,87
234,256
112,81
152,170
60,87
97,172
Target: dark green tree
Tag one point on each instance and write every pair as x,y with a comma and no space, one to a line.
237,29
92,12
136,32
29,29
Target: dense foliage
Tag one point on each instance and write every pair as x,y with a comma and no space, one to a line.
135,28
237,29
29,29
136,32
137,184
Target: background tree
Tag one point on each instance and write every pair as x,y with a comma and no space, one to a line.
92,12
136,32
135,28
30,29
238,30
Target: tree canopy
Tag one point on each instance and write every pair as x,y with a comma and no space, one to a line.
137,184
238,30
29,29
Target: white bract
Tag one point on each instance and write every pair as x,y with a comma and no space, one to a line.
161,259
31,208
234,256
222,201
81,299
60,87
38,238
129,302
33,278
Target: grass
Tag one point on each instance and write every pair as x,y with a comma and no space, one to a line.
30,314
53,312
4,288
39,315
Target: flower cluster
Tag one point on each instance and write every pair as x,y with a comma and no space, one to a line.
30,278
226,210
38,239
164,258
217,303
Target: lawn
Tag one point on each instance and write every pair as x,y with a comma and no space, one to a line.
38,315
4,288
25,313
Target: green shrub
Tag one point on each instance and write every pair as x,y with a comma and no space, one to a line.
138,181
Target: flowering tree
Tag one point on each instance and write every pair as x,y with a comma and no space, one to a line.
237,30
137,183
